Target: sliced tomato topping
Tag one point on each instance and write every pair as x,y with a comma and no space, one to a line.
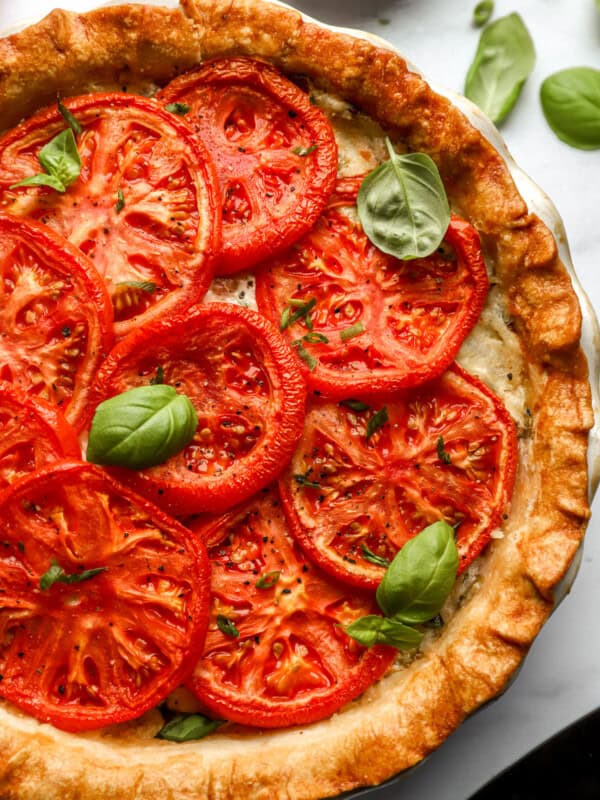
376,322
144,208
275,154
359,484
276,653
55,316
248,394
127,621
34,434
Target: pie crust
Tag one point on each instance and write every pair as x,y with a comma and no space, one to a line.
412,710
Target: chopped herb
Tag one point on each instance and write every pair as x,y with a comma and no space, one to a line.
356,405
159,377
304,151
377,421
383,21
186,727
310,362
303,309
145,286
315,338
369,555
268,580
69,118
181,109
66,331
352,331
227,627
120,204
21,547
442,454
304,480
56,574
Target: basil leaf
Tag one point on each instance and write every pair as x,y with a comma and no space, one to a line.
304,480
504,60
41,179
56,574
268,580
69,118
186,727
181,109
402,206
227,626
377,421
141,427
482,12
159,378
373,630
571,104
421,576
356,405
60,157
120,204
443,456
369,555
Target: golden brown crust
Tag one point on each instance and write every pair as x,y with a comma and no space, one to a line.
396,723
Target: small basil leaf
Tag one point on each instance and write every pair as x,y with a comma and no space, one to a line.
356,405
120,204
482,12
402,206
186,727
421,576
571,105
69,118
377,421
181,109
41,179
268,580
60,157
141,427
56,574
373,630
443,455
304,480
504,60
227,626
369,555
158,378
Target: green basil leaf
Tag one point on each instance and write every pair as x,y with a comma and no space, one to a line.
377,421
56,574
421,576
304,480
141,427
373,630
482,13
402,206
60,157
41,179
181,109
69,118
159,377
369,555
571,105
268,580
443,456
186,727
504,60
227,626
356,405
120,204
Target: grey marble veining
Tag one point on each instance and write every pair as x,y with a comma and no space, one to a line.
560,679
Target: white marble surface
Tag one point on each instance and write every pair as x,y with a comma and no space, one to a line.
560,679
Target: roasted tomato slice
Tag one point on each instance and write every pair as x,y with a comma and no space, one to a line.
275,154
126,622
374,322
366,481
247,391
33,434
55,316
276,653
144,207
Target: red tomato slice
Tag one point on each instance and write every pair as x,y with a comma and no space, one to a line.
55,316
291,662
156,252
275,154
86,654
247,391
447,452
405,320
34,434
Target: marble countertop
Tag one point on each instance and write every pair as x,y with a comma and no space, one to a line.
560,679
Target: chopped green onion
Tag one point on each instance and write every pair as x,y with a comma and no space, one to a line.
353,330
268,580
226,626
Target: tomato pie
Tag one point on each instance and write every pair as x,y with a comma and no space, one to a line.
294,409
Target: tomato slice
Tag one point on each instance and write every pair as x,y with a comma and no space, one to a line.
55,316
86,654
247,391
144,207
34,434
291,662
275,154
405,320
448,451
